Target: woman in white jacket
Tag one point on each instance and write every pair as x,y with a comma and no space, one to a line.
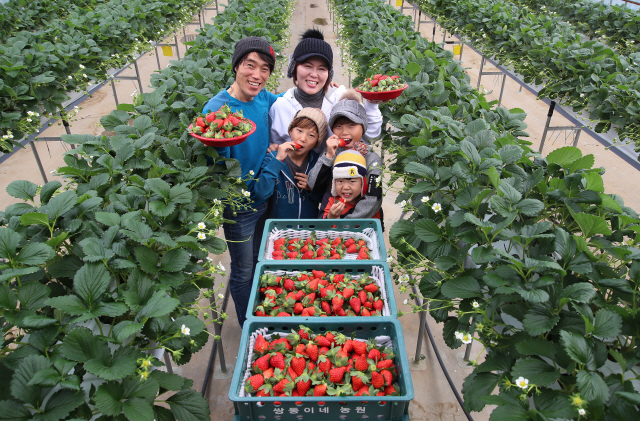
311,67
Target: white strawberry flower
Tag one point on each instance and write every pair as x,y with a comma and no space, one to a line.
475,304
134,92
220,267
405,302
437,207
201,236
209,259
246,193
251,172
29,112
69,77
466,338
522,383
28,120
403,203
202,225
215,212
581,412
84,75
389,259
424,199
185,330
459,335
220,296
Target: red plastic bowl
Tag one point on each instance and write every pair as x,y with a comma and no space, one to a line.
381,96
231,141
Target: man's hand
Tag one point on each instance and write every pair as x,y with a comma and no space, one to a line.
332,146
302,181
283,150
333,84
336,210
272,148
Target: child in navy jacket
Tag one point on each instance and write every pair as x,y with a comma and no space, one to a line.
283,174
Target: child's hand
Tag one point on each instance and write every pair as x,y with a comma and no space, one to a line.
336,210
283,150
272,148
332,146
302,181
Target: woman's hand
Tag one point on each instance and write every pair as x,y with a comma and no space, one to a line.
283,150
332,146
302,181
336,210
333,84
382,101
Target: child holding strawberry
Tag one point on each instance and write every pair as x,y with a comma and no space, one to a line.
348,186
283,175
348,121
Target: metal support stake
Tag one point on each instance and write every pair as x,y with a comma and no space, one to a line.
217,328
575,140
461,48
467,352
35,154
504,79
520,90
444,37
158,58
423,320
115,94
175,38
167,362
65,123
552,106
135,65
480,73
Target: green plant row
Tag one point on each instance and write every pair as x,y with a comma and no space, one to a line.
588,75
526,256
616,26
20,15
39,68
98,274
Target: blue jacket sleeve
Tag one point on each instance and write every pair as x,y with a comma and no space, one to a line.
266,183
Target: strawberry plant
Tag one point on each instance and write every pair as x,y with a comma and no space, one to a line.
527,256
329,364
318,294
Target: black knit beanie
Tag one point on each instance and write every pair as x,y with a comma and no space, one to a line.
312,44
250,45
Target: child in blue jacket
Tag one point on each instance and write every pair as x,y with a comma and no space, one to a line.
283,175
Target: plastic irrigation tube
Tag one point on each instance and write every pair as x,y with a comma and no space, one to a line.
214,347
442,366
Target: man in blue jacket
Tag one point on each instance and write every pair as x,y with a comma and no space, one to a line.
253,61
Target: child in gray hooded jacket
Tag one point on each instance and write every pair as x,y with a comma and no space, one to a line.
348,121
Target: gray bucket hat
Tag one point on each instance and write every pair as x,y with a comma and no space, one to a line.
351,109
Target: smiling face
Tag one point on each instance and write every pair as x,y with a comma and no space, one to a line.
251,76
347,130
312,75
349,188
304,134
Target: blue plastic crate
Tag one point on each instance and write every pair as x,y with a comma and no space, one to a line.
325,408
368,229
352,267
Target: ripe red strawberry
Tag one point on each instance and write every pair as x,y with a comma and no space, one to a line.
312,351
261,345
377,380
364,312
351,249
392,390
303,384
322,341
289,285
363,255
300,349
367,305
313,285
303,333
341,312
330,337
320,390
261,364
372,288
335,257
362,295
324,364
384,364
363,391
326,307
348,346
311,311
308,255
342,144
277,253
336,241
374,355
378,305
336,374
253,383
337,302
291,372
293,247
292,254
347,292
262,393
277,361
268,373
355,304
349,242
280,341
299,364
359,347
318,274
297,145
388,377
200,122
281,385
283,314
297,308
361,363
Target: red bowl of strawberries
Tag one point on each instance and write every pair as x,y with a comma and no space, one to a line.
381,87
221,128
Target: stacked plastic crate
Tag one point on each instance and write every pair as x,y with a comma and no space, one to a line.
290,291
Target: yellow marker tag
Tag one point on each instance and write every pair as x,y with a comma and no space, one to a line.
457,50
399,2
167,51
352,171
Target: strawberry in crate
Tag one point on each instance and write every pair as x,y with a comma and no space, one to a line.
319,249
318,294
221,124
307,364
381,83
